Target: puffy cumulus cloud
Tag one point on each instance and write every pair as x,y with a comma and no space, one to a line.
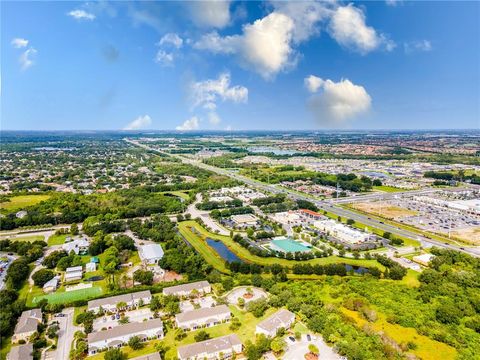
164,58
313,83
171,39
19,43
189,124
335,102
27,58
265,45
208,14
206,93
348,27
419,45
80,14
140,122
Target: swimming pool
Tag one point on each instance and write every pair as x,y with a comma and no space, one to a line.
289,245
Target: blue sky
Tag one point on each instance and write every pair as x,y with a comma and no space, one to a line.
240,65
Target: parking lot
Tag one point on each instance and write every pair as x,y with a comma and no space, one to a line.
189,305
296,349
133,316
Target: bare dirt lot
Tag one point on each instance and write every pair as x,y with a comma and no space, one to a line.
470,235
383,209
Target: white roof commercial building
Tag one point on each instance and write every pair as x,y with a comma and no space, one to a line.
342,232
219,348
110,304
203,317
202,287
423,259
281,319
151,253
73,273
119,335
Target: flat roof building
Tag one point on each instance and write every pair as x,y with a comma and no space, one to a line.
219,348
150,253
110,304
342,232
281,319
203,317
202,287
119,335
73,273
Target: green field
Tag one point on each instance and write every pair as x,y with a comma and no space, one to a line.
22,201
388,188
214,259
29,238
57,239
70,296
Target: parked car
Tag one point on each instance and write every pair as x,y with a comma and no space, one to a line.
292,339
113,317
309,338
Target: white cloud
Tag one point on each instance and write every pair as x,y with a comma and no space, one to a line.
81,15
140,122
213,118
26,59
164,58
189,124
213,13
419,45
313,83
172,39
19,43
348,28
207,93
265,46
339,101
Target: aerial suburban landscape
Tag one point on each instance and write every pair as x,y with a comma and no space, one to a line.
291,217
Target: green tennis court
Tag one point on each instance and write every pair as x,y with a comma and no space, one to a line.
70,296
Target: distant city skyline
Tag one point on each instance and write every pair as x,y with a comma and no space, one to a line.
227,65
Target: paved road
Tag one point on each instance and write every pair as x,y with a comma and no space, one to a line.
323,205
298,349
65,334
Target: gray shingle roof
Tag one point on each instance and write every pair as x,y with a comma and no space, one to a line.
277,320
28,321
22,352
219,344
122,330
199,285
202,313
116,299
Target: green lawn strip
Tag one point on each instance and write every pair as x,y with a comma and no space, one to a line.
29,238
70,296
245,332
389,189
57,239
244,254
403,226
22,201
6,345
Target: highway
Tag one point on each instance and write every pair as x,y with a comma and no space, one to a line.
329,206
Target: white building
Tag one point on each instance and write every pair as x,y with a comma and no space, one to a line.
342,232
110,304
281,319
202,287
78,246
119,335
73,273
423,259
219,348
90,267
51,285
203,317
151,253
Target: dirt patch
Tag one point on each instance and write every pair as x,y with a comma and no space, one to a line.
383,209
310,356
469,235
247,295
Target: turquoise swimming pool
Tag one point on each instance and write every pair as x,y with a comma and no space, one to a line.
289,245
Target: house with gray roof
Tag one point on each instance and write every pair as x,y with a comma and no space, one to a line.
219,348
281,319
27,324
132,300
203,317
153,356
119,335
21,352
202,287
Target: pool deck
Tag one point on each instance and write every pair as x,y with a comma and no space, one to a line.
289,245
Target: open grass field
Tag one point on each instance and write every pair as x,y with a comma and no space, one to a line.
427,349
70,296
22,201
245,332
383,209
199,236
57,239
386,188
469,235
29,238
181,194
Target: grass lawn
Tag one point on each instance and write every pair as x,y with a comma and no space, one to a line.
387,188
212,257
22,201
69,296
29,238
427,349
57,239
181,194
5,347
78,310
245,332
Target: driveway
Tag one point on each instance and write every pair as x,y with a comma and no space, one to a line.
65,334
133,316
298,349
